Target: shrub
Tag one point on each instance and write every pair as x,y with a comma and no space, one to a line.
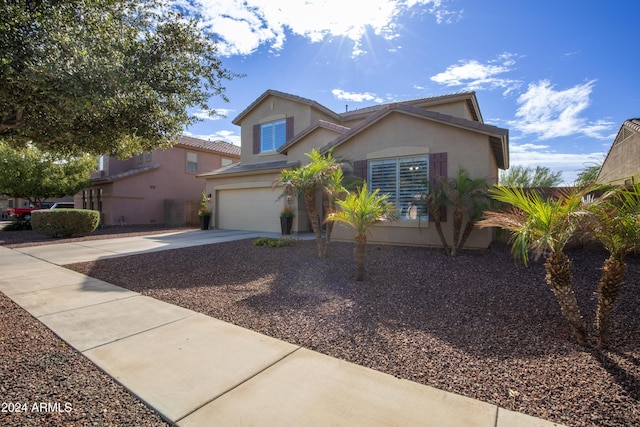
64,222
272,242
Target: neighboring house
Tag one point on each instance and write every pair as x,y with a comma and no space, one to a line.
395,147
622,164
158,187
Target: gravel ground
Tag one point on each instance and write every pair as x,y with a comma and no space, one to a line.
37,368
479,324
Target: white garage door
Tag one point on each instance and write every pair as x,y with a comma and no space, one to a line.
255,209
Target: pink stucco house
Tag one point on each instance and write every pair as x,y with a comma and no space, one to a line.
157,187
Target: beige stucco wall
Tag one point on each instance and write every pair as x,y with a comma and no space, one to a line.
270,109
403,135
456,109
622,162
316,139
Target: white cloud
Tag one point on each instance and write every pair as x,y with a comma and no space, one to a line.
474,75
356,97
549,113
224,135
244,25
220,113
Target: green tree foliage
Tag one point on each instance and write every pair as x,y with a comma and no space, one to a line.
113,77
588,175
361,210
526,177
32,174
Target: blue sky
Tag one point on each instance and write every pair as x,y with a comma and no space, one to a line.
560,75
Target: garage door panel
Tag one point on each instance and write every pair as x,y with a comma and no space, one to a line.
253,209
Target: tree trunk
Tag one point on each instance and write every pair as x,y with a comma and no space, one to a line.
435,214
361,243
457,226
310,200
329,225
558,268
467,232
329,229
608,290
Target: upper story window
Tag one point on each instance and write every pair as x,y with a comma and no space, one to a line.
268,137
405,179
272,135
225,162
192,162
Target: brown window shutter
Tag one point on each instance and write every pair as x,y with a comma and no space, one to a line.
360,169
438,168
289,129
256,139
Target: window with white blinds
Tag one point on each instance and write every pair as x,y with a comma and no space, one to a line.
404,179
192,162
273,135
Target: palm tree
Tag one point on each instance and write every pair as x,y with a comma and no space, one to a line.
468,197
543,226
309,180
433,200
332,189
615,222
361,210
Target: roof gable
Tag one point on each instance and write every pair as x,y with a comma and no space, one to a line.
499,137
320,124
283,95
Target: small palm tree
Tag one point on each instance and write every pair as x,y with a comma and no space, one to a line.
469,199
361,210
310,180
615,222
433,200
543,226
333,188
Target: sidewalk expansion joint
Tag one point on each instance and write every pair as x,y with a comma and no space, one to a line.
77,308
139,332
238,385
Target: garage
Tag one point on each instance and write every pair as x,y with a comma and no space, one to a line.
253,209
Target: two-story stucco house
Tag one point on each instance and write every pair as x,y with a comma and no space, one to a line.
395,147
157,187
622,164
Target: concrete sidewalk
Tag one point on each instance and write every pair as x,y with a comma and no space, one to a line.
199,371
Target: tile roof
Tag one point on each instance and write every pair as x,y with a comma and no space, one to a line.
125,174
221,147
633,124
251,167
